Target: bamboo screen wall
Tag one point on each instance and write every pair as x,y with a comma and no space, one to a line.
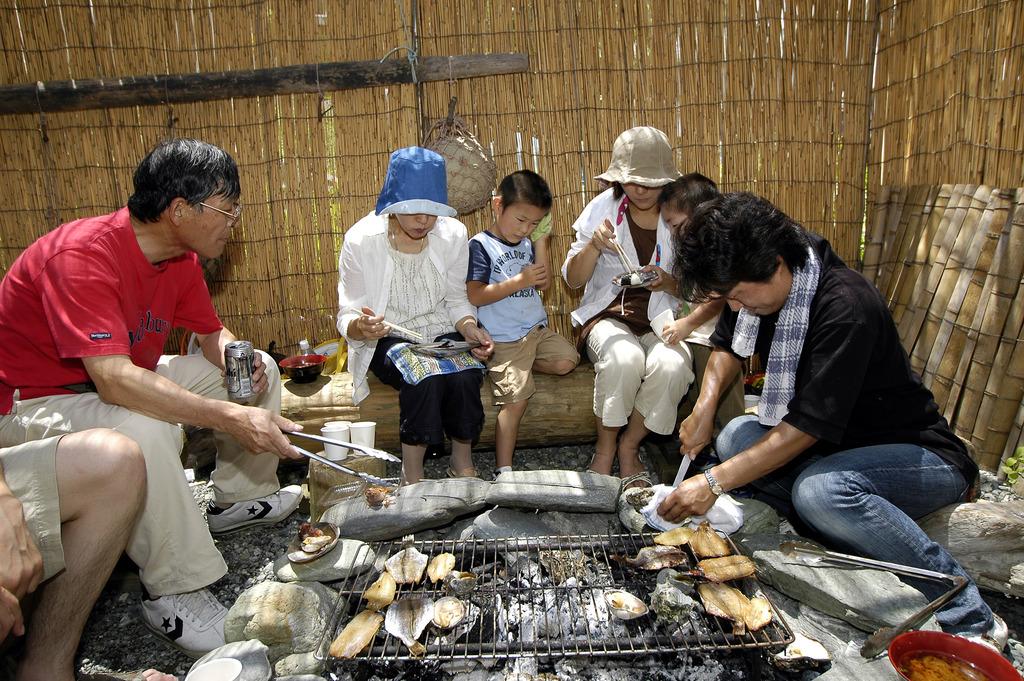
773,100
950,260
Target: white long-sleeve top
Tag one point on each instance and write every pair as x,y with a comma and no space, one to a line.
365,271
599,291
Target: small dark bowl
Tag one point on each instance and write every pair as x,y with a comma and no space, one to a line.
303,368
975,655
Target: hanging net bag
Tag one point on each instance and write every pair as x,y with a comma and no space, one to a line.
471,170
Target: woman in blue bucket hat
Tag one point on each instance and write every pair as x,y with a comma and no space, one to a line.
403,282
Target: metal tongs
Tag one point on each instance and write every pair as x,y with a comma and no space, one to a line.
369,451
879,641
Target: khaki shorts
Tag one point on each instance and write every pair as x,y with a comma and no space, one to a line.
510,368
30,470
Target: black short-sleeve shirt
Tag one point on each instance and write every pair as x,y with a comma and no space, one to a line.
854,384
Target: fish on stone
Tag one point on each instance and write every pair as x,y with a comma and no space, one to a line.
440,566
407,565
674,537
656,558
356,635
706,543
407,618
746,614
726,568
448,612
381,593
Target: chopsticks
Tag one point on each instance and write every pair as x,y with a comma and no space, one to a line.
622,257
369,451
408,332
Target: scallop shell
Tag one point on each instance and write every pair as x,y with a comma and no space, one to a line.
624,605
460,583
448,612
407,566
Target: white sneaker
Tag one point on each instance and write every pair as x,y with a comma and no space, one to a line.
996,637
263,511
192,622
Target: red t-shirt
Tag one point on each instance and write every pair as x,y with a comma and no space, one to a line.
86,290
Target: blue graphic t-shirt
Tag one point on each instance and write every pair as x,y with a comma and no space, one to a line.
491,261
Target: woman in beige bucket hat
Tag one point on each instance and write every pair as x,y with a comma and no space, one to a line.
639,380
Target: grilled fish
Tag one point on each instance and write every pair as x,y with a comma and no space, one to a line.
746,614
706,543
380,593
676,537
657,558
407,618
440,566
407,566
726,568
356,634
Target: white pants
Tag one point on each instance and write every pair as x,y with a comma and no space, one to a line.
637,372
171,543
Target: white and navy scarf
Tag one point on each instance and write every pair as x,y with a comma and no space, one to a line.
787,343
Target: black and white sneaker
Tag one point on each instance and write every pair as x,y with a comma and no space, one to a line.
263,511
193,622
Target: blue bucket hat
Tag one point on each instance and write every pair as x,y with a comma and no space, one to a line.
416,183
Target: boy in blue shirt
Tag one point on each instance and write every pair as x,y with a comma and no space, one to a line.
503,282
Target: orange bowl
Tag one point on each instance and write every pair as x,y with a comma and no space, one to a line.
303,368
953,649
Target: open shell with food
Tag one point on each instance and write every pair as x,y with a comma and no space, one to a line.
624,605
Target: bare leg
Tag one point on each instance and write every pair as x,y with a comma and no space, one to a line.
462,457
506,432
101,482
604,450
412,463
629,446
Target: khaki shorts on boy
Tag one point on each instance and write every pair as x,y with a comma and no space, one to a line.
510,368
30,470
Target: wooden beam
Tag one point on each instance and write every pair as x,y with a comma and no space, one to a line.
104,93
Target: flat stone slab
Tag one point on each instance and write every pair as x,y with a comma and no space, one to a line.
422,506
556,490
867,599
350,557
507,523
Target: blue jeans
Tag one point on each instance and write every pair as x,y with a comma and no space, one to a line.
862,501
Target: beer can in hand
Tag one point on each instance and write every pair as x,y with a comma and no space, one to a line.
239,364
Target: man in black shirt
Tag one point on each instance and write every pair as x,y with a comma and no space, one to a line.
848,442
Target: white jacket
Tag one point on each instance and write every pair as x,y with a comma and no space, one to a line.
600,291
366,270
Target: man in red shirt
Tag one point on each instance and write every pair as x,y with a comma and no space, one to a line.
84,314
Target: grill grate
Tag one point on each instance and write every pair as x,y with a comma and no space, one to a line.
522,616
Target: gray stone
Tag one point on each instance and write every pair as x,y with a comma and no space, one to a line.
252,655
758,517
867,599
986,538
504,523
298,664
628,513
350,557
575,524
842,641
555,490
425,505
287,618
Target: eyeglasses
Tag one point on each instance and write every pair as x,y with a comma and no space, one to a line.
234,215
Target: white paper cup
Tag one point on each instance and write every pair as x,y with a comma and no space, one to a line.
750,402
362,433
222,669
336,430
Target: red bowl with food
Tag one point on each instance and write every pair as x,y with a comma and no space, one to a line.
303,368
935,655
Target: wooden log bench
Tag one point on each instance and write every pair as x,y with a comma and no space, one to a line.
560,412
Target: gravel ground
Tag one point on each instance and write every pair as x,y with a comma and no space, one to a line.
115,642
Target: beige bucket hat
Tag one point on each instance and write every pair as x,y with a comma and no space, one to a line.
643,156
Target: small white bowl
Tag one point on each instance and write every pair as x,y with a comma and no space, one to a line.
221,669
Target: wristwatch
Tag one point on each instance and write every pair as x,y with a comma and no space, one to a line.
716,489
